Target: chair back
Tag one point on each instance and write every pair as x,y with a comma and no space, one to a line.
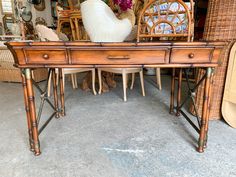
61,13
46,34
73,4
166,20
101,24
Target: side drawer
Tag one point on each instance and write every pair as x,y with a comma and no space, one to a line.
46,56
119,57
191,55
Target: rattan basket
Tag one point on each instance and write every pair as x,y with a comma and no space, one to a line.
220,26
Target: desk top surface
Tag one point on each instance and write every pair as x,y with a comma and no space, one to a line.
114,44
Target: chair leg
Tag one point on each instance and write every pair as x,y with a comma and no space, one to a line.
49,84
75,80
93,81
124,78
132,82
63,80
142,82
72,29
77,30
59,24
100,80
72,80
158,77
57,76
127,80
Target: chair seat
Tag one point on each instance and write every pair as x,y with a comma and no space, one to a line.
75,70
120,70
124,72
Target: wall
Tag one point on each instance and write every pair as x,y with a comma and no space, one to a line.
46,14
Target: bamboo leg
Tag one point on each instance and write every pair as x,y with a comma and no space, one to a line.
93,81
55,92
158,77
32,111
59,24
100,80
62,95
208,110
72,26
132,82
77,29
179,91
172,93
204,120
31,143
142,82
124,78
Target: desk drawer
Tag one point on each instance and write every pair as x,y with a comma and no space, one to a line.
46,56
191,55
119,56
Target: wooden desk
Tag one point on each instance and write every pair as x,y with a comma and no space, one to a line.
53,55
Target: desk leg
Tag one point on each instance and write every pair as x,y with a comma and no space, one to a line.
179,91
55,92
27,111
208,108
172,93
204,119
32,111
62,95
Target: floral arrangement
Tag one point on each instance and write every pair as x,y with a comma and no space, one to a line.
123,4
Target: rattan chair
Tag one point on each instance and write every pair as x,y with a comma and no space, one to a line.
166,20
63,16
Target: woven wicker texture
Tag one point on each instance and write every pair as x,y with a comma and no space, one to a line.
220,26
10,73
169,18
6,59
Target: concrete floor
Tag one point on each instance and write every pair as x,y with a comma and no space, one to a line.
101,136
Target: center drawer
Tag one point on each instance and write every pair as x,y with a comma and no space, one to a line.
119,56
46,56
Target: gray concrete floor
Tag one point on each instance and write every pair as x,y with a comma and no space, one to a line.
101,136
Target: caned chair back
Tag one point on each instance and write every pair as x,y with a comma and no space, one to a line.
166,20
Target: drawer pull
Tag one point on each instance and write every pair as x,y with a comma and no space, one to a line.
191,55
124,57
46,56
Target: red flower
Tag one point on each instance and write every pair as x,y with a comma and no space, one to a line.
124,4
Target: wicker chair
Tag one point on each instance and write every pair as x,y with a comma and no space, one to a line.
63,16
166,20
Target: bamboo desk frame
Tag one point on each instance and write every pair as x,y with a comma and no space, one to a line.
176,55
